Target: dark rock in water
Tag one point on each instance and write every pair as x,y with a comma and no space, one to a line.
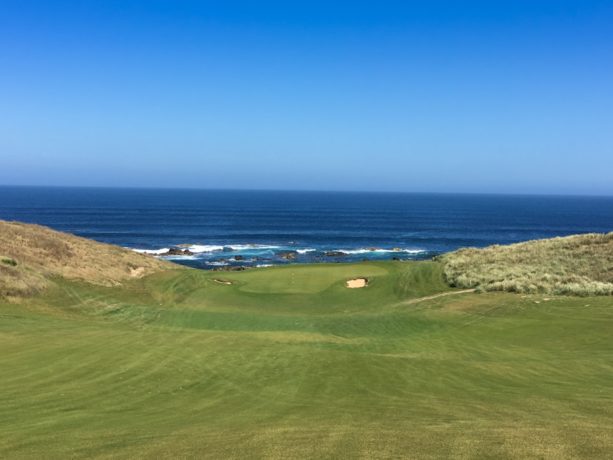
290,255
178,252
395,258
238,258
335,254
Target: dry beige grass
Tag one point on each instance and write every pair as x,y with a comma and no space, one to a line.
30,255
575,265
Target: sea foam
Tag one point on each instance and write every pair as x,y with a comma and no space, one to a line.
200,248
381,251
247,247
154,252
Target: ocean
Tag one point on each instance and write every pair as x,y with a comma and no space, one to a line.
224,228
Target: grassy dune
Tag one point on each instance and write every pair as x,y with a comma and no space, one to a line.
288,363
575,265
32,255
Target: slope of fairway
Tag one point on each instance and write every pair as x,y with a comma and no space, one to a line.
178,365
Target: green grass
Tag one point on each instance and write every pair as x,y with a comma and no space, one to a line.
8,261
288,363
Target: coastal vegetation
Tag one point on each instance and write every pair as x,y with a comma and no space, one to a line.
574,265
31,256
288,362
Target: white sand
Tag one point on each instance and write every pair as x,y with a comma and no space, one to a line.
357,283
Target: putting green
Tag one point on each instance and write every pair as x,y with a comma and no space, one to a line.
303,279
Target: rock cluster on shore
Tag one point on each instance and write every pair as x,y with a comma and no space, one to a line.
178,252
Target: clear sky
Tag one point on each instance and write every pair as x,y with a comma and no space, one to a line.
468,96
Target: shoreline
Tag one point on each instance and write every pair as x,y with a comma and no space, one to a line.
243,256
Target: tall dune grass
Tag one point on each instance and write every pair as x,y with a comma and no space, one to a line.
575,265
30,255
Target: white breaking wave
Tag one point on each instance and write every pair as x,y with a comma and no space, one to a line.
218,264
195,248
264,265
200,248
155,252
246,247
304,251
380,251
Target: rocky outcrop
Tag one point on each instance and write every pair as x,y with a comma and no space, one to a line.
178,252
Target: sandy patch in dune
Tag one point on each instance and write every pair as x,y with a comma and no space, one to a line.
137,272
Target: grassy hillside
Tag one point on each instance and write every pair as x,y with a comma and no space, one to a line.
579,265
31,255
287,362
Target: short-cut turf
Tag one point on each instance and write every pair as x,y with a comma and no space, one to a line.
287,362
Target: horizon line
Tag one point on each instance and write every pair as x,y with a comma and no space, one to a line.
281,190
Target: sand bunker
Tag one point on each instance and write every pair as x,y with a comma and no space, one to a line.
226,282
357,283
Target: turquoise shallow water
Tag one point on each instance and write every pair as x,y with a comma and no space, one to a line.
225,228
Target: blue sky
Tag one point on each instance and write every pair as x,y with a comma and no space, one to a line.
471,96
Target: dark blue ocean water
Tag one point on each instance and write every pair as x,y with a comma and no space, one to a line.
261,228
